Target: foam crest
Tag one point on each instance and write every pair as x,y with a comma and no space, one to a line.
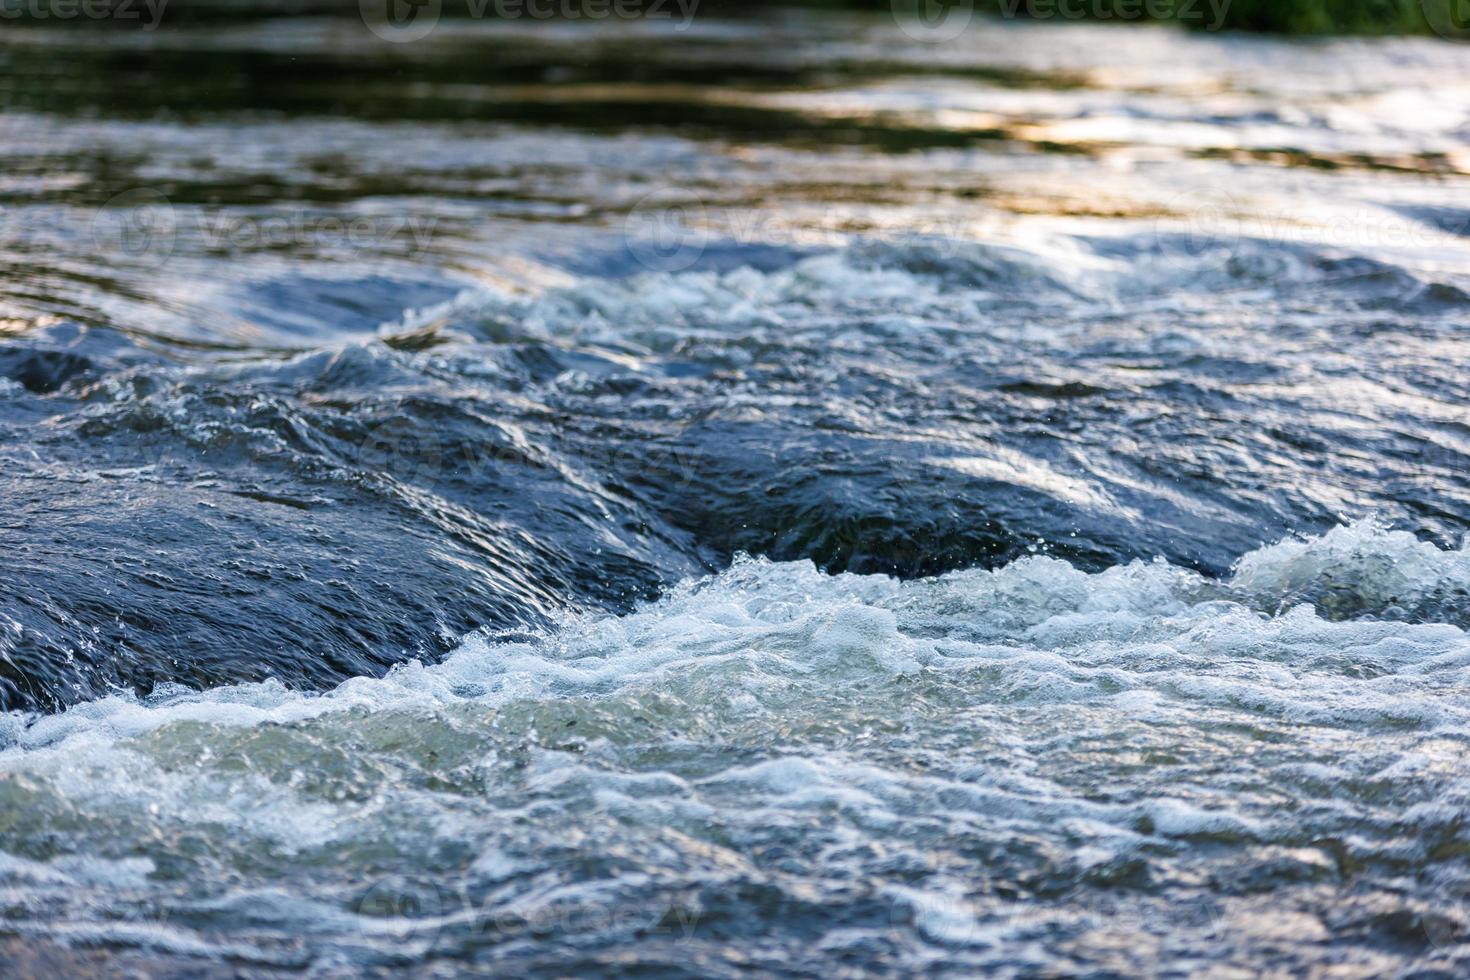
1360,569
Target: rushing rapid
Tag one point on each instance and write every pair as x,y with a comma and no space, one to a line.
772,496
1034,769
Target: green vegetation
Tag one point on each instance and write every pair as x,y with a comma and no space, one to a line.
1449,18
1341,16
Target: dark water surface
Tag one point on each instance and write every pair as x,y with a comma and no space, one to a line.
321,355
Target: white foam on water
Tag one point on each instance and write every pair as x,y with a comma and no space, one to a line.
1135,714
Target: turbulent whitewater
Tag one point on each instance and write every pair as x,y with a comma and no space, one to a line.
773,768
782,497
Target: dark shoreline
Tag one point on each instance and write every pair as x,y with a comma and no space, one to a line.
1301,18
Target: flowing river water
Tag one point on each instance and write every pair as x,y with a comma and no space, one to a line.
766,495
